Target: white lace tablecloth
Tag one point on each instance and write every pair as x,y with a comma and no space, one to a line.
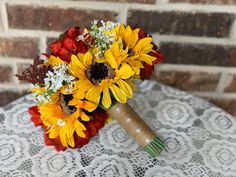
200,141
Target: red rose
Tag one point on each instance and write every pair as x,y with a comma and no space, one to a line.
68,45
74,32
82,48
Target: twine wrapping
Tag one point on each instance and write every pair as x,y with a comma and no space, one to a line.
136,128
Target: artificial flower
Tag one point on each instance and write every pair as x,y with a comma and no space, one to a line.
68,45
148,69
105,78
98,119
138,49
64,120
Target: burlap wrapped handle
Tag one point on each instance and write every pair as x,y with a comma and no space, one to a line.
136,128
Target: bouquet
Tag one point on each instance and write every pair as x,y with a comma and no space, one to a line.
86,79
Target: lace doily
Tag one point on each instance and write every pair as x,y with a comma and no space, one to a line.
200,141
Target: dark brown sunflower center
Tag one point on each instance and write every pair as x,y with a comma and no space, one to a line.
68,110
99,71
131,52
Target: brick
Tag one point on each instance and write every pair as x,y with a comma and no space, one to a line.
231,85
229,105
21,47
6,74
53,18
127,1
9,96
189,81
198,54
183,23
219,2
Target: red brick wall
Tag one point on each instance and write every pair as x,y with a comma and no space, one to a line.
198,38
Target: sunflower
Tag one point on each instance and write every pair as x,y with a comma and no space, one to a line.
105,79
138,49
63,120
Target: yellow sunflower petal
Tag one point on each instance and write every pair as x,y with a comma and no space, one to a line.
106,99
144,45
80,57
148,48
63,137
75,115
136,64
83,84
71,141
84,117
79,127
93,95
125,71
87,59
80,94
51,112
131,37
118,94
76,67
119,30
75,102
137,71
147,58
53,61
88,106
118,52
125,87
70,131
110,58
53,133
39,90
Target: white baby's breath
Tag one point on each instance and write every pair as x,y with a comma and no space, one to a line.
58,77
54,81
103,39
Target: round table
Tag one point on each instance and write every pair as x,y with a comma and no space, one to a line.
200,141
